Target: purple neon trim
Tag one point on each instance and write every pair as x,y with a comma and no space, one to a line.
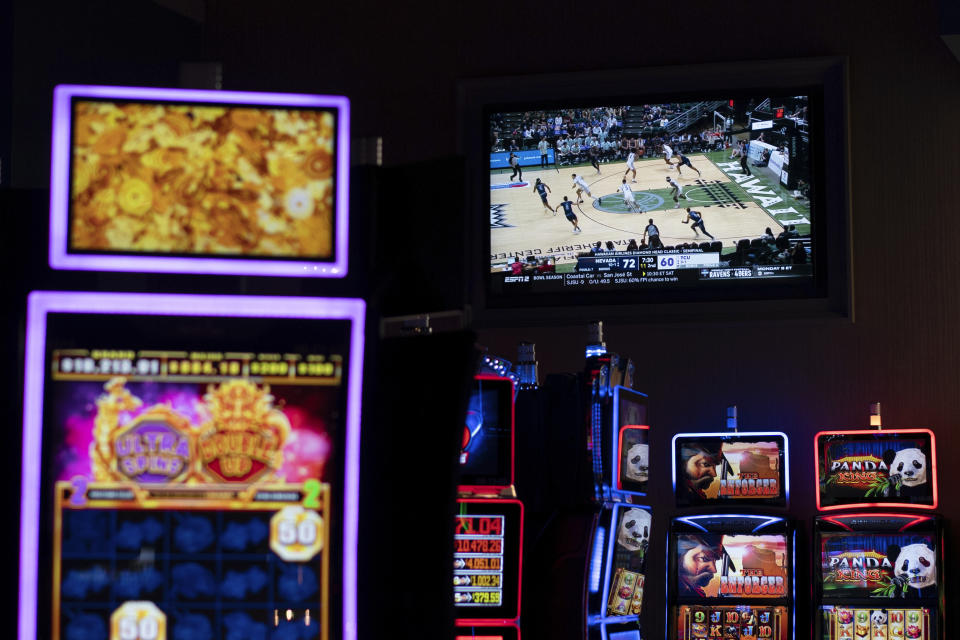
40,303
60,258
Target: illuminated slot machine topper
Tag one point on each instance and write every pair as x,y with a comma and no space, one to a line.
731,576
190,467
731,469
488,540
880,577
892,468
617,575
630,463
188,181
487,446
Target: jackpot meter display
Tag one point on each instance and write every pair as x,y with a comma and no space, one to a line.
199,468
486,561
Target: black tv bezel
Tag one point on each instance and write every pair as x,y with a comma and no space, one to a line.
829,295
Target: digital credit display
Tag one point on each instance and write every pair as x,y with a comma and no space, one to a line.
487,559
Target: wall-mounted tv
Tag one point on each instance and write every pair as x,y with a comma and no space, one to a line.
704,185
191,181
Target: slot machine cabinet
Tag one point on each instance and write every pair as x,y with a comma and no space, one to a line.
731,576
879,550
880,577
616,573
488,526
195,484
732,564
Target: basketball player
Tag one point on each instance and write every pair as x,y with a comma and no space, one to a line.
581,187
630,167
667,153
542,189
653,233
684,160
677,191
595,158
697,218
568,211
628,198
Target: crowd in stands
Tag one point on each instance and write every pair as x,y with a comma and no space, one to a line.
573,133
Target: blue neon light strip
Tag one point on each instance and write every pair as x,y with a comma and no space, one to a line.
765,521
596,561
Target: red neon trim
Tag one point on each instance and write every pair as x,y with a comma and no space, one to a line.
494,489
620,448
516,616
485,625
479,638
882,505
837,520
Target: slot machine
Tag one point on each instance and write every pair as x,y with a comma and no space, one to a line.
731,565
488,525
620,544
881,549
190,466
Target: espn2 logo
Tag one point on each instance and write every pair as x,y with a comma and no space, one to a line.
517,279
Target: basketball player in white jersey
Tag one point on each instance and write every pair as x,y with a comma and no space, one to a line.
628,198
667,153
630,158
677,191
581,187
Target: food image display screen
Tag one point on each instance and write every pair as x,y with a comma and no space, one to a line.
887,565
193,474
876,467
743,622
199,181
713,565
724,469
486,560
665,194
890,623
486,450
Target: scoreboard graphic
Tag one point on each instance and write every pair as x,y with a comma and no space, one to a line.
194,490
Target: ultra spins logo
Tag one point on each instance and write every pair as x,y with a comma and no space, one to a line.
859,566
857,471
244,438
156,447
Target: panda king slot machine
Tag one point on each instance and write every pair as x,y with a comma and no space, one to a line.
880,552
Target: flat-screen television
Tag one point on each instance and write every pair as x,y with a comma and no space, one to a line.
722,187
190,466
727,469
190,181
889,468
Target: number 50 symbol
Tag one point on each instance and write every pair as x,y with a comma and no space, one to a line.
138,620
296,534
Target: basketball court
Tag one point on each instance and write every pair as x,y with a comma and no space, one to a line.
519,224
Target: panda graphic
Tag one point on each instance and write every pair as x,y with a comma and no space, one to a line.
907,476
916,567
633,540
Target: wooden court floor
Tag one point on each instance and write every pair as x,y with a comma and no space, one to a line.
521,226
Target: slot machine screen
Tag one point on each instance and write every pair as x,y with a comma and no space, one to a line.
891,468
187,181
631,449
486,450
875,565
725,566
195,472
488,537
629,549
721,469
